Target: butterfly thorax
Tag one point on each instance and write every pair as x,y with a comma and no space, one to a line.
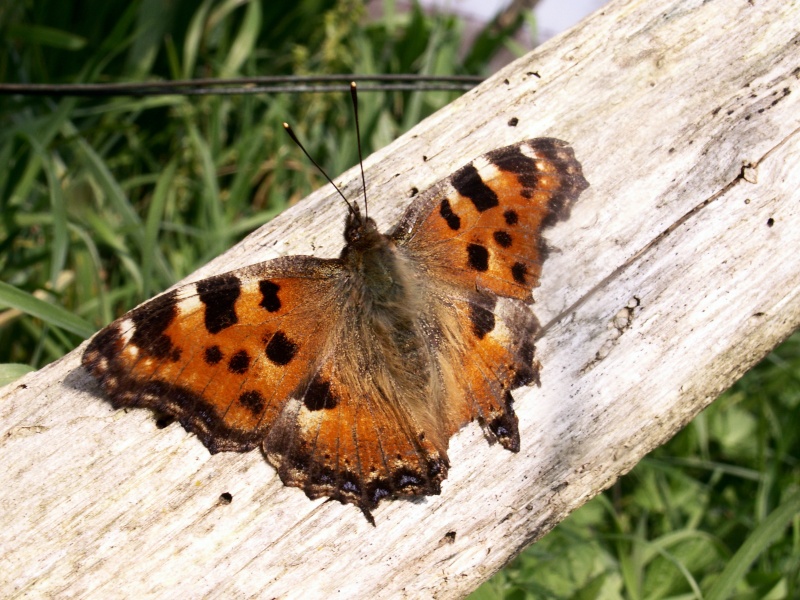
378,274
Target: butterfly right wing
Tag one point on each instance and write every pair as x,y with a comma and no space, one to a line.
476,241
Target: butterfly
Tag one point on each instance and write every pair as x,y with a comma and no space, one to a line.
353,373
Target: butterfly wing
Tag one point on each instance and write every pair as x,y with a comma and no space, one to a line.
342,437
482,226
222,355
476,239
276,354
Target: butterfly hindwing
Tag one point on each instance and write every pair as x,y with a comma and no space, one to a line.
345,439
494,355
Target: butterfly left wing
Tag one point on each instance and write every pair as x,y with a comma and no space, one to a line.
224,354
277,355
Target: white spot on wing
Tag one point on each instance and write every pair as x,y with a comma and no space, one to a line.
125,329
309,420
526,150
188,299
486,169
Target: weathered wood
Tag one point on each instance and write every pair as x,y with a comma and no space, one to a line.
678,270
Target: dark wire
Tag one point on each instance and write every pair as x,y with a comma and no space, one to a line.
248,85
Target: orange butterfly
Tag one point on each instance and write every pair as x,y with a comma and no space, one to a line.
353,373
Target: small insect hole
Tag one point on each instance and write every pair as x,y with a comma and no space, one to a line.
225,498
770,222
513,122
450,537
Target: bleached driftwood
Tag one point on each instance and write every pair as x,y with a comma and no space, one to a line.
678,270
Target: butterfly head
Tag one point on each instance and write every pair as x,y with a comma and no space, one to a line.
360,231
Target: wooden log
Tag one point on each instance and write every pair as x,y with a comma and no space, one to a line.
677,272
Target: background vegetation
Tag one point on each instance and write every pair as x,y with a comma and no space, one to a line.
106,201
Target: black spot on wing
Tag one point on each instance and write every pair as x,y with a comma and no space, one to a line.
269,295
318,396
527,351
151,320
478,257
252,401
212,355
219,295
511,217
452,219
483,321
503,238
523,375
519,271
280,349
239,362
467,182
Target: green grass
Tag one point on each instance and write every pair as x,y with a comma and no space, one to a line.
105,202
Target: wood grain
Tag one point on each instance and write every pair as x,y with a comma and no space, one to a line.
676,273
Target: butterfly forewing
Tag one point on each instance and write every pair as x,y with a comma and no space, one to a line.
483,224
222,355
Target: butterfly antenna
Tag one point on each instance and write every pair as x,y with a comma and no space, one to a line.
288,129
354,98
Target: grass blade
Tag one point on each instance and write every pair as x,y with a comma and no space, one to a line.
50,313
762,536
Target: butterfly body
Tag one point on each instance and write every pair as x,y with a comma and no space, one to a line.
353,373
